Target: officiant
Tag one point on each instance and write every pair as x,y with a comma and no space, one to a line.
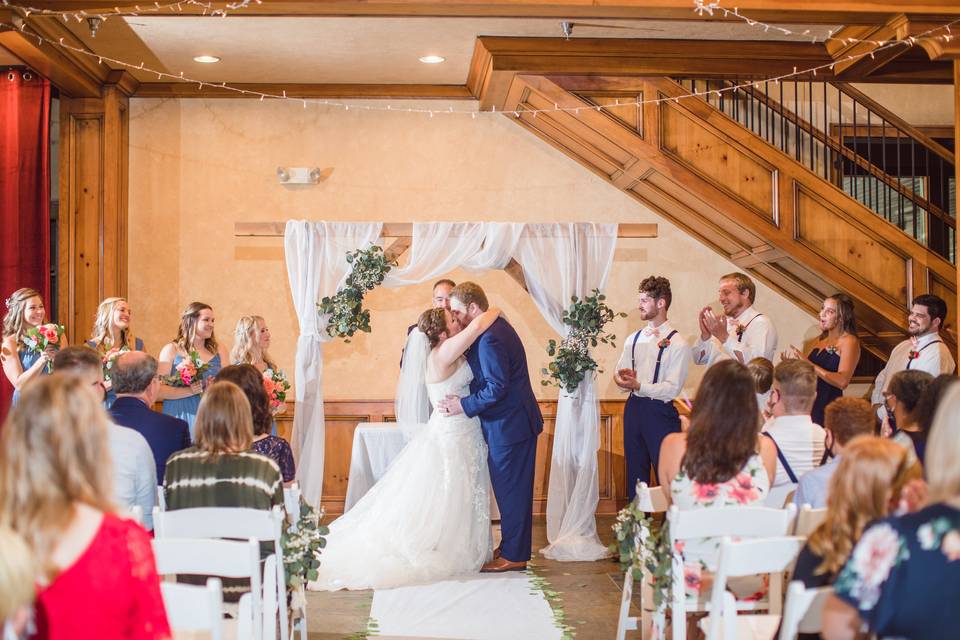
441,298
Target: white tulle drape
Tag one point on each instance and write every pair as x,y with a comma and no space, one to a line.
316,267
560,261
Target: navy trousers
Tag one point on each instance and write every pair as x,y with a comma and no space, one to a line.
511,474
646,422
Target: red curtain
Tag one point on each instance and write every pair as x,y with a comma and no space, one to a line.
24,190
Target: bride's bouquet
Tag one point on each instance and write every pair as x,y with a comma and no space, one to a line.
276,385
190,370
109,358
39,339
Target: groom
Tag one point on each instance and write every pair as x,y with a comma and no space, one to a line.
502,397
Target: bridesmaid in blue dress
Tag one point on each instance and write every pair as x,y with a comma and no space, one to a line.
835,354
195,334
112,330
250,343
25,311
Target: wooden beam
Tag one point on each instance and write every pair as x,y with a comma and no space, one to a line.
397,248
515,271
405,230
895,29
358,91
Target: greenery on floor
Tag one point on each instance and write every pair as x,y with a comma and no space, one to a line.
540,585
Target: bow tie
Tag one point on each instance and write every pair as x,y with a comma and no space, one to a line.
651,331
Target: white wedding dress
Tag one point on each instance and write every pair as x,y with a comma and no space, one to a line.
428,517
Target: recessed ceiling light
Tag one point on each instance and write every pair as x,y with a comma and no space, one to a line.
432,59
206,59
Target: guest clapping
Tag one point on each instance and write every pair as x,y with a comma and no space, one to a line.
96,574
741,332
194,336
25,311
112,333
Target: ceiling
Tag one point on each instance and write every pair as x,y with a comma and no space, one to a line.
362,50
7,59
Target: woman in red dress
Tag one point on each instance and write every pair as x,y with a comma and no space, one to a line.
96,572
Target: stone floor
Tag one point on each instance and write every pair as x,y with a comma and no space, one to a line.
589,594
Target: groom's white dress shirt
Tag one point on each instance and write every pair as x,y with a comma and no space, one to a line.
674,363
759,340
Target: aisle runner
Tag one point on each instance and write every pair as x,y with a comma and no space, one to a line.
482,607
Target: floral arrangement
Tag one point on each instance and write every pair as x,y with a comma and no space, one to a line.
664,343
190,370
833,350
39,339
301,543
276,385
110,357
368,268
571,356
642,544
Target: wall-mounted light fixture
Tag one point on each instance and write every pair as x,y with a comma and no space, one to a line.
303,175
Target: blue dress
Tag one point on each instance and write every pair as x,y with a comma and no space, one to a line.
826,392
186,408
111,396
27,359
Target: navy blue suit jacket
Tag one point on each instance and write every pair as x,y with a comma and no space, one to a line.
501,394
165,434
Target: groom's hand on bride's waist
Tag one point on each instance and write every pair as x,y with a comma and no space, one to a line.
450,406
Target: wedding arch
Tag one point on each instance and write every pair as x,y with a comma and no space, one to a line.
553,261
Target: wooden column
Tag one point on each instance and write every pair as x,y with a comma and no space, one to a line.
956,166
93,203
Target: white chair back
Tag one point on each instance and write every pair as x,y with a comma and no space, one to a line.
649,500
808,519
803,611
291,503
161,498
746,558
777,497
193,608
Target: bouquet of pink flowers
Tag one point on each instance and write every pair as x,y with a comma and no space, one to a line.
38,339
109,358
276,385
190,370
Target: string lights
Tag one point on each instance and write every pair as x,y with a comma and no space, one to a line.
207,8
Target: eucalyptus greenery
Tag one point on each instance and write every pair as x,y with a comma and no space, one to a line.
368,268
642,543
571,356
301,545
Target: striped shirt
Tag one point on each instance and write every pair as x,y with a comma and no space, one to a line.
196,479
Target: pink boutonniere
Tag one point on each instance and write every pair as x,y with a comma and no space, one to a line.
663,344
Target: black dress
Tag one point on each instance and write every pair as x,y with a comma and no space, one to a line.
829,360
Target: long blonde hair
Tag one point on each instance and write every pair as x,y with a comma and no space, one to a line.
102,337
246,342
187,331
224,422
53,455
870,475
943,449
16,307
17,577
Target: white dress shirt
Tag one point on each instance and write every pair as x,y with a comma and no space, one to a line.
800,440
674,363
933,358
759,340
134,471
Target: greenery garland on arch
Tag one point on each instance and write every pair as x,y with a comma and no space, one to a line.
368,268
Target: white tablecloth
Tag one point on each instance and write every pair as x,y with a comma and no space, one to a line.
375,445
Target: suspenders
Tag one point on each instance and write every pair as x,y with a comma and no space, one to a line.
910,360
633,354
744,330
782,459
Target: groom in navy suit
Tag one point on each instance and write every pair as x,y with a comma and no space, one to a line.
502,397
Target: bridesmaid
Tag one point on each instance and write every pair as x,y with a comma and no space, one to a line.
835,354
195,334
25,311
250,343
112,330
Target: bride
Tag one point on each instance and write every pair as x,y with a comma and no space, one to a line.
428,517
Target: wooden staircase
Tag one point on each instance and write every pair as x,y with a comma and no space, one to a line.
738,193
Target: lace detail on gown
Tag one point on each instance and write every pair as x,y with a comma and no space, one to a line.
428,517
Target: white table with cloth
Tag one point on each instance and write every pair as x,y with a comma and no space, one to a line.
375,445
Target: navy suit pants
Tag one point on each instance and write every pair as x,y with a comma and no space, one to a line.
511,474
646,422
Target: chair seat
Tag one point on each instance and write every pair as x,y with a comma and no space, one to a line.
741,588
759,627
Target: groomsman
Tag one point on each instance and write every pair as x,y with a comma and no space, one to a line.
653,369
924,350
742,332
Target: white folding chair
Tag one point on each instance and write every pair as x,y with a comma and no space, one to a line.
234,522
161,498
803,611
649,500
193,608
741,558
808,519
777,497
720,522
291,502
227,559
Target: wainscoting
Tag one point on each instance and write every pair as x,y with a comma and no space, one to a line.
342,417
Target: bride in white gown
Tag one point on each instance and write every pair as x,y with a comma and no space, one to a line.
428,517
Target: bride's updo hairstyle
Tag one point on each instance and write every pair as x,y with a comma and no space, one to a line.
432,323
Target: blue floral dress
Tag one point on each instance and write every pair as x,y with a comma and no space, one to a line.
903,577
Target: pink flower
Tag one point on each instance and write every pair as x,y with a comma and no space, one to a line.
744,495
679,545
691,578
872,559
951,545
705,492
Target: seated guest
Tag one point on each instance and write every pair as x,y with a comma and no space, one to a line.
136,387
900,400
250,382
845,418
924,412
17,580
762,371
799,441
902,579
721,461
96,576
134,471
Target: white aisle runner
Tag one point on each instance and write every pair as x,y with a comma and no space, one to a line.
481,607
